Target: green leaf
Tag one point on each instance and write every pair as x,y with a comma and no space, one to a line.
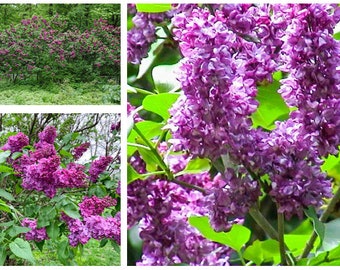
46,215
263,252
236,238
271,108
319,227
3,255
334,254
72,211
103,243
7,224
4,155
277,76
22,249
337,36
115,246
6,169
149,129
4,207
53,230
40,244
98,190
148,62
65,153
331,263
6,195
64,253
149,158
160,104
16,155
297,239
132,175
16,230
332,235
196,165
153,8
165,79
332,166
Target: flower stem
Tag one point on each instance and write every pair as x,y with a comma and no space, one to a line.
155,153
263,222
165,168
325,215
280,228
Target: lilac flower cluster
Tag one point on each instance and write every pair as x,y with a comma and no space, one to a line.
99,166
80,150
162,209
40,169
16,142
230,199
229,52
142,35
34,234
92,226
95,206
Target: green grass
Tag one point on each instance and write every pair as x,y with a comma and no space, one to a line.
93,93
92,255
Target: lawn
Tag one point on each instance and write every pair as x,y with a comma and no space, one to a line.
92,255
66,93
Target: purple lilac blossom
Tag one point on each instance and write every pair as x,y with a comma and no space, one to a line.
99,166
213,113
227,54
34,234
95,226
95,206
115,126
162,210
71,177
16,142
48,135
80,150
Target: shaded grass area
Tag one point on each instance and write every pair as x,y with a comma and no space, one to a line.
66,93
92,255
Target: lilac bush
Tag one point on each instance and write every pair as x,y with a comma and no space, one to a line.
42,49
55,195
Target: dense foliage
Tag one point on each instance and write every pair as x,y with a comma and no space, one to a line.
233,157
41,48
53,186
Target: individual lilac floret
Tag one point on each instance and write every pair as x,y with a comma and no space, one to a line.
16,143
80,150
48,135
99,166
95,206
34,234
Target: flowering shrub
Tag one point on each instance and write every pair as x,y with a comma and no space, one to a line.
248,143
41,48
47,194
